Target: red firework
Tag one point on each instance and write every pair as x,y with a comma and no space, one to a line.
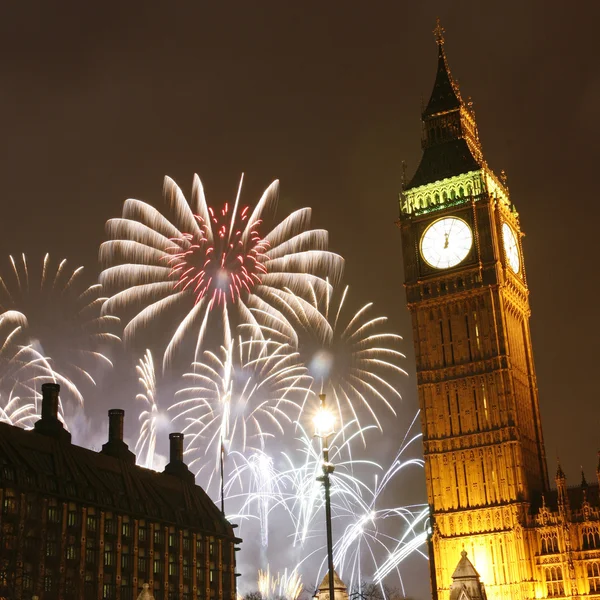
224,269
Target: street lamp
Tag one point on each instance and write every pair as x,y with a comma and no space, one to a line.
324,423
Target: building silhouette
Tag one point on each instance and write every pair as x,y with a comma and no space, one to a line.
493,511
82,525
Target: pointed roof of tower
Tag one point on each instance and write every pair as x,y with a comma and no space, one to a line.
338,584
451,143
466,584
560,474
445,94
340,591
464,568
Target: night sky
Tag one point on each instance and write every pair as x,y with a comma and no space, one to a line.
98,101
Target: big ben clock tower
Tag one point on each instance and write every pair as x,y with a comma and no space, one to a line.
467,292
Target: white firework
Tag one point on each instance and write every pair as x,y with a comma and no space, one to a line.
22,371
151,417
351,356
256,478
205,261
64,320
238,399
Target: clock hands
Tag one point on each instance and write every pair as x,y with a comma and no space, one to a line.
447,235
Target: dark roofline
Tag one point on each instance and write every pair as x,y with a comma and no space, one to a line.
53,466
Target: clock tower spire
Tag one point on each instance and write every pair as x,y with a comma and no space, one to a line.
450,138
467,292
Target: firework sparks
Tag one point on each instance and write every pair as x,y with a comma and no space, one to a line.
287,585
237,398
212,261
350,358
64,318
21,369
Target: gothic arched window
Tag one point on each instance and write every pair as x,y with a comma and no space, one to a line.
549,543
554,582
591,538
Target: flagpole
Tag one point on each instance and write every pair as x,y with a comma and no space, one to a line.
222,477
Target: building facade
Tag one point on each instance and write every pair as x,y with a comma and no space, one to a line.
467,291
82,525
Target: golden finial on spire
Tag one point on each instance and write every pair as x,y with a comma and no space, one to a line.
439,32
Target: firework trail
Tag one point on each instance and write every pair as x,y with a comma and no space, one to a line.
239,398
16,411
257,479
64,318
350,356
304,497
366,538
411,541
150,417
212,264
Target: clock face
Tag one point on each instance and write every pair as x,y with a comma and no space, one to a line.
446,243
511,248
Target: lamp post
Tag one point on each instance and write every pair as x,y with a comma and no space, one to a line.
324,421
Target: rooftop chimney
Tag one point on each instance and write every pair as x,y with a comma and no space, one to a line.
115,424
116,446
176,465
50,424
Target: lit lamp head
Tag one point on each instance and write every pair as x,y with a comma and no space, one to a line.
324,422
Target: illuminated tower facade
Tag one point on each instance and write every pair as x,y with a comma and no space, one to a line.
467,292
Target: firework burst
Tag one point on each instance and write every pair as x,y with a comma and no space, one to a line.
239,398
22,367
350,355
208,261
64,318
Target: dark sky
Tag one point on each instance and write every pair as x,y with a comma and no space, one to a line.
98,101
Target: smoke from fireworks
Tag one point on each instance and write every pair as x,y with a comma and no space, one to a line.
212,264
